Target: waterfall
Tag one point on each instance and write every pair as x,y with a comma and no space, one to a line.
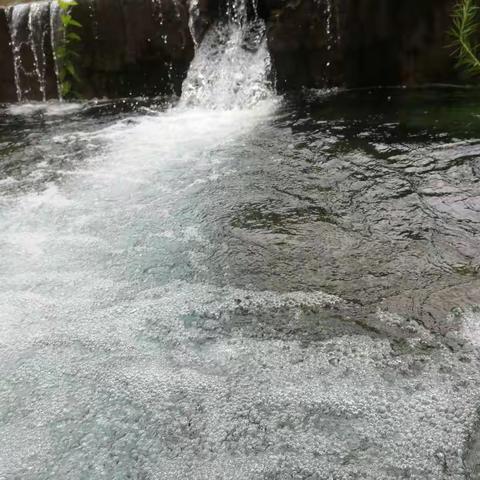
328,26
55,39
193,13
230,69
231,66
39,16
32,31
18,16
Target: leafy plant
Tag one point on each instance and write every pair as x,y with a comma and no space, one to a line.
66,53
464,32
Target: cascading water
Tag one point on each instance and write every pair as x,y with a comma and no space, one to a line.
39,16
33,30
55,41
19,15
231,67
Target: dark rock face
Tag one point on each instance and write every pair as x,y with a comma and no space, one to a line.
317,43
303,41
407,43
7,75
134,47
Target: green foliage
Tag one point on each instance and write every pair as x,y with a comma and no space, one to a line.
66,54
465,29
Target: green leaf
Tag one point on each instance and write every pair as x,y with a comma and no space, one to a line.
74,23
61,52
66,88
74,37
71,70
66,5
66,20
465,27
66,53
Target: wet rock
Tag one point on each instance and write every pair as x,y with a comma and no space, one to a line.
316,43
134,47
7,79
301,39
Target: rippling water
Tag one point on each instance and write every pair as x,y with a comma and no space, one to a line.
290,291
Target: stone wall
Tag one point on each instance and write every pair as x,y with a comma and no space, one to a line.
128,48
371,42
144,47
134,47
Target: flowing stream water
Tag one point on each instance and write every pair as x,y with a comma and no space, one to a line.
241,286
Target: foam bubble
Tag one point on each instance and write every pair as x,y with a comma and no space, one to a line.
49,109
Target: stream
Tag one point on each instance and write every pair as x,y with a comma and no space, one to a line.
239,285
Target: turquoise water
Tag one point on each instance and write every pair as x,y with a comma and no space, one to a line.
288,291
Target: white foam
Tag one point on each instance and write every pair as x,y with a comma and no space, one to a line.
231,68
470,326
50,109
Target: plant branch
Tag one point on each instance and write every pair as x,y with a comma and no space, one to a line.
464,29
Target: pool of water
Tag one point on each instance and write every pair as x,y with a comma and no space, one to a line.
288,291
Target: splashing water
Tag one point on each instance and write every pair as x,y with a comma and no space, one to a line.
232,65
193,13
